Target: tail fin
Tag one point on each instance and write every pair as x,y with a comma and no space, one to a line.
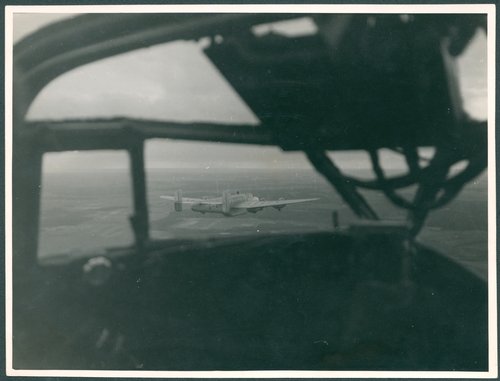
178,201
226,205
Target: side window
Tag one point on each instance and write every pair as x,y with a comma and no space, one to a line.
472,71
85,202
173,81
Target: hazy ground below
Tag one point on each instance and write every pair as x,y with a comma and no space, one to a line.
87,211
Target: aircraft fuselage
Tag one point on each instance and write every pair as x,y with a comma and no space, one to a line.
229,200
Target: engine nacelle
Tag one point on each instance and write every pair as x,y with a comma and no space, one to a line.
178,201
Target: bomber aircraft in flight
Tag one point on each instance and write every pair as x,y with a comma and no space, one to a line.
230,204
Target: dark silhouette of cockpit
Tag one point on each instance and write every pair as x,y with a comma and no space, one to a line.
365,298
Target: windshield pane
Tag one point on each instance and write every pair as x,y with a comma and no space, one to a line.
472,71
173,82
207,170
86,202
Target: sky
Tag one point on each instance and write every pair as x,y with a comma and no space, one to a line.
177,82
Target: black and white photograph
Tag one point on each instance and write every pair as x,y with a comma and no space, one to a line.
250,191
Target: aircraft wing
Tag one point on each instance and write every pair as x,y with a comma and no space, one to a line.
190,201
265,204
